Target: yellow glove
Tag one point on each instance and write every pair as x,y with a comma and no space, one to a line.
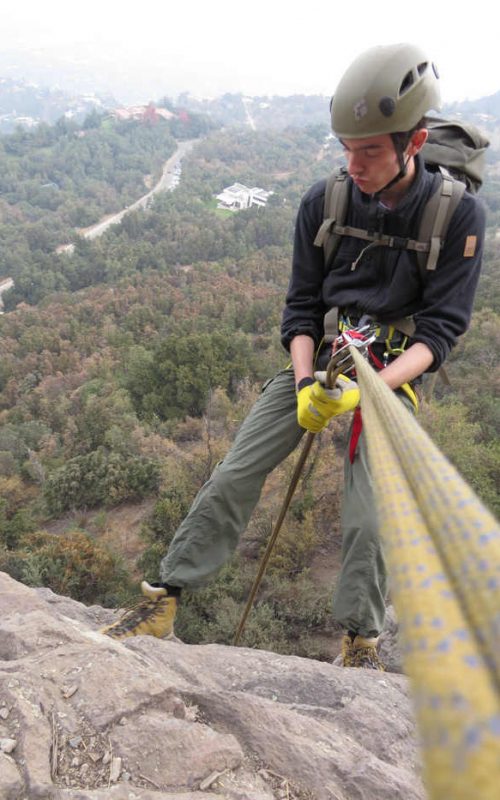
317,405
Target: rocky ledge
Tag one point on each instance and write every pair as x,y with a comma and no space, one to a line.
83,717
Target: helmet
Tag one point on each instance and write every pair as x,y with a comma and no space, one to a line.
387,89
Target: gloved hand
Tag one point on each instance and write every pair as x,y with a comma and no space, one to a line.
316,404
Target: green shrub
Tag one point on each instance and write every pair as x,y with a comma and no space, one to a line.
100,478
13,528
73,565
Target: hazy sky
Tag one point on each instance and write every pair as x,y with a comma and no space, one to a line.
257,46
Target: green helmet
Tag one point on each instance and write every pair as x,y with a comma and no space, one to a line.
387,89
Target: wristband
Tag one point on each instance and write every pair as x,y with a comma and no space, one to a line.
304,382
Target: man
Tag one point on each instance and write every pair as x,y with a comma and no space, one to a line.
378,114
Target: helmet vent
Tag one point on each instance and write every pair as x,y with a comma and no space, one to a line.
406,83
422,67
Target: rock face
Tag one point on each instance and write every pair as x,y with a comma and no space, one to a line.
83,717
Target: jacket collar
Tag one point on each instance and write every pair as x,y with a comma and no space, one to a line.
417,191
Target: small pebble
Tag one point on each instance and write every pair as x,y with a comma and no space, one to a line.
115,769
8,745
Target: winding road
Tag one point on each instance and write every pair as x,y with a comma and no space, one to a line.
168,181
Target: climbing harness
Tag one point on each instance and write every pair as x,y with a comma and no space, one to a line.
395,341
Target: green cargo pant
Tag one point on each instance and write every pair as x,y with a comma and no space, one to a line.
220,513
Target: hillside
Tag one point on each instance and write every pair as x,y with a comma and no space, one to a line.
128,365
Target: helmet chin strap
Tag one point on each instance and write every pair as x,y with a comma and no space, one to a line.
373,209
403,168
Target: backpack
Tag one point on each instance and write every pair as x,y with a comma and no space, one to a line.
455,152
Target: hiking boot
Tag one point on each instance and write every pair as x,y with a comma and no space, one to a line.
154,615
347,654
360,652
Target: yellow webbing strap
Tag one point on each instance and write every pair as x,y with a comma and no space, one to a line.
443,553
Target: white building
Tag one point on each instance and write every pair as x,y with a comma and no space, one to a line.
238,196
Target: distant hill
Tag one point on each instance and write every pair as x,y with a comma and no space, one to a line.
489,105
276,112
27,104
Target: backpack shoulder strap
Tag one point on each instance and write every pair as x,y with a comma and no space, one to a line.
334,213
436,217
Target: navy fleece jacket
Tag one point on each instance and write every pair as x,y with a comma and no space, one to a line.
387,283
